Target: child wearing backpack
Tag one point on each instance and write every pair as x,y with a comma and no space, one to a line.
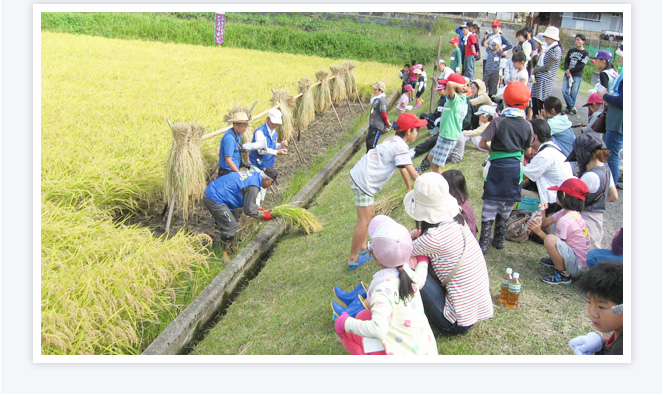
569,246
396,318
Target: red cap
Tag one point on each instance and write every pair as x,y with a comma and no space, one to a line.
594,98
455,40
517,94
408,121
572,186
497,23
454,77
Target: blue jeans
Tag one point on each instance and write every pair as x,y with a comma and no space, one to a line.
571,94
469,67
614,141
433,295
601,255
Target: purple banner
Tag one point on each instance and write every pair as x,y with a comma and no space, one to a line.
219,33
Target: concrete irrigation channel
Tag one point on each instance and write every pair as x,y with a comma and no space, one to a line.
201,311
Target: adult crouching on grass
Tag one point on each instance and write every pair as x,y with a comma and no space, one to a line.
230,151
225,196
373,170
456,294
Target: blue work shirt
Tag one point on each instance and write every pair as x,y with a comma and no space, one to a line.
230,146
226,190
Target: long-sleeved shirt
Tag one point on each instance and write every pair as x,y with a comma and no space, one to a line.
575,61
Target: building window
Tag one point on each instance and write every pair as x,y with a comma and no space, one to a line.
587,16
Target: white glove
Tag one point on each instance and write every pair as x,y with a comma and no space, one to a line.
586,345
387,128
532,80
408,107
412,153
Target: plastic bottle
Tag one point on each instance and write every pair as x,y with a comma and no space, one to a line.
514,291
505,285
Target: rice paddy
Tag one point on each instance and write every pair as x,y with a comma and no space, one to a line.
108,288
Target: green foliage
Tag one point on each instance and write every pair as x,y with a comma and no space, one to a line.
292,33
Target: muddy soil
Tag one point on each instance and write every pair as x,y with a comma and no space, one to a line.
324,131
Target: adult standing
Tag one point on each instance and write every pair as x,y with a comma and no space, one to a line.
504,43
614,118
378,121
237,190
230,150
267,136
607,74
574,65
544,75
456,294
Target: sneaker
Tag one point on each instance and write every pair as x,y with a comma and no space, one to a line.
557,277
417,104
573,111
547,262
425,165
361,260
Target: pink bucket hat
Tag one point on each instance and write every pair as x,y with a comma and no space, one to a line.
391,241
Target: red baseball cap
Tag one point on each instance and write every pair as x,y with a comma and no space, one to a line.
594,98
517,94
408,121
455,40
497,23
572,186
454,77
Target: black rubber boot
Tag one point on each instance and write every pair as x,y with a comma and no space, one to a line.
484,238
500,230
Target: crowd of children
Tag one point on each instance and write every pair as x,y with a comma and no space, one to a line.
439,269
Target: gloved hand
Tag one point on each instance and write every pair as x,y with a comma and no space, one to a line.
387,128
586,345
339,324
266,215
532,79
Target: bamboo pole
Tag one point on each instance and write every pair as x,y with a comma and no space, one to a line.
334,108
434,84
359,100
172,200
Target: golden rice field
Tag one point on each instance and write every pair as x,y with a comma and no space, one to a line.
105,143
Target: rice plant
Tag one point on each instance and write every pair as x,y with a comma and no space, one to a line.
388,203
285,103
338,90
305,108
297,217
321,93
350,80
186,176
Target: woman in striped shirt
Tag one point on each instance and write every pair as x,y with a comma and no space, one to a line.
544,75
457,296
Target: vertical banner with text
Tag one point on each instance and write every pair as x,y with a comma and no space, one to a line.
219,33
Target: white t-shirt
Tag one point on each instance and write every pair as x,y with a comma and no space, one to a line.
405,100
548,167
446,73
520,75
593,181
377,166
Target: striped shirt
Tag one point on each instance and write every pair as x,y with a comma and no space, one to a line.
543,86
468,297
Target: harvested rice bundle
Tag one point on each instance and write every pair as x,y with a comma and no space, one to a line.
297,217
350,80
322,94
338,91
285,102
388,203
305,109
185,170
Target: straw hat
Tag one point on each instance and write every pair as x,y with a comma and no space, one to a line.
239,117
430,200
551,32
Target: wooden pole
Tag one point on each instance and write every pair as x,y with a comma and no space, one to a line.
334,108
170,213
359,100
434,84
299,154
350,108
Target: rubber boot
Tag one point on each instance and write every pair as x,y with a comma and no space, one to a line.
227,249
500,230
347,297
484,238
353,308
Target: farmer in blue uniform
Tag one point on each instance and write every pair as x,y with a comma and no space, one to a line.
266,136
225,196
230,158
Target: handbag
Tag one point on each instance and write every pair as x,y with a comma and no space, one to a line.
599,125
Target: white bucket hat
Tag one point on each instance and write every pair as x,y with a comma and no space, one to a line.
430,200
274,116
551,32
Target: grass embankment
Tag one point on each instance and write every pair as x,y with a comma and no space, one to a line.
340,37
286,309
105,143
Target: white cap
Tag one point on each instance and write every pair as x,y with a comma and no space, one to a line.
516,275
509,270
486,109
274,115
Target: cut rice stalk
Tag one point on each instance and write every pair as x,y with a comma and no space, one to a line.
388,203
322,93
350,80
338,91
305,109
297,217
285,102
